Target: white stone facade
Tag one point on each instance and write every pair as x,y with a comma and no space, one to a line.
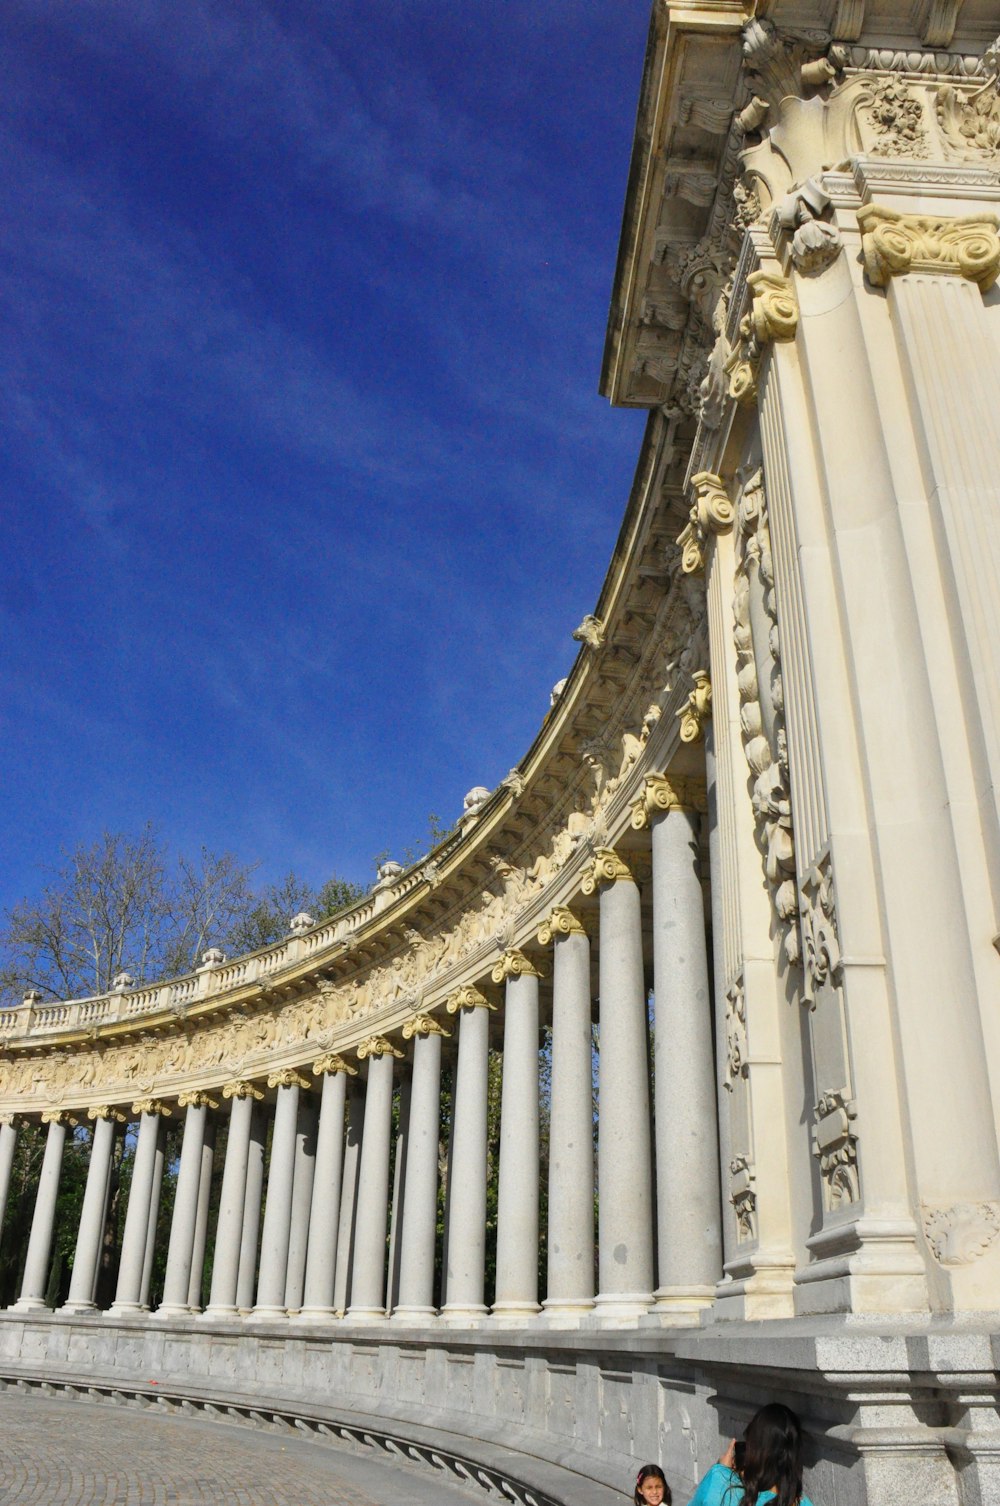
766,795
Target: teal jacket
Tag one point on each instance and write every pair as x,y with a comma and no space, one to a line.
723,1487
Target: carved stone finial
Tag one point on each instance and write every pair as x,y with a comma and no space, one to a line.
196,1100
106,1111
423,1024
467,997
211,959
327,1065
152,1106
591,632
240,1088
894,244
712,512
514,964
514,782
666,793
475,800
122,982
607,868
387,873
556,692
697,708
300,924
377,1045
287,1077
560,922
32,996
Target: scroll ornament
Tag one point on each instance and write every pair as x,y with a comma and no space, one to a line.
960,1234
196,1100
378,1045
467,997
773,315
326,1066
423,1024
288,1078
697,708
711,512
666,793
152,1106
106,1111
514,964
607,868
239,1088
560,922
895,243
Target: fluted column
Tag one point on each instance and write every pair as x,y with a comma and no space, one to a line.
417,1238
368,1278
466,1273
689,1232
324,1217
135,1240
571,1122
180,1250
278,1202
624,1152
197,1278
349,1197
517,1196
302,1190
90,1235
253,1197
36,1265
229,1229
8,1145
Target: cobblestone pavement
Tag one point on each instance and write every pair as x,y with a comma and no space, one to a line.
59,1453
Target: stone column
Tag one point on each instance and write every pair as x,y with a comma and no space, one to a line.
689,1233
201,1218
417,1238
517,1197
324,1217
8,1144
368,1275
571,1123
349,1197
624,1159
278,1203
180,1251
128,1295
229,1230
154,1215
246,1282
302,1191
36,1265
90,1235
466,1272
397,1206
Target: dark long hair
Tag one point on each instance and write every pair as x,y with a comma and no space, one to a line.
772,1458
651,1472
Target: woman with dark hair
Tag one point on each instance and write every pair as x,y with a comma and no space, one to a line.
764,1469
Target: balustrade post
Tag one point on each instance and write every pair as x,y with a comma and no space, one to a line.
302,1190
278,1202
93,1214
368,1275
517,1196
624,1151
689,1243
141,1210
180,1251
466,1272
419,1224
36,1265
324,1217
253,1197
571,1123
229,1230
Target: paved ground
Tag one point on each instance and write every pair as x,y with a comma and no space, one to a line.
64,1453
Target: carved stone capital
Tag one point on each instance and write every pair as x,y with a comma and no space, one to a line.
240,1088
196,1100
607,868
560,922
57,1116
152,1106
514,964
106,1111
423,1024
960,1234
378,1045
711,512
697,708
326,1065
661,793
774,312
895,243
467,997
287,1078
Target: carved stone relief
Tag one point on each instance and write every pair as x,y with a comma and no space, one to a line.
960,1234
743,1197
835,1147
737,1065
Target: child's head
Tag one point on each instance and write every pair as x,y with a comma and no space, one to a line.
772,1457
651,1488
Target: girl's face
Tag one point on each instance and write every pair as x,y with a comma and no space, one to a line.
651,1491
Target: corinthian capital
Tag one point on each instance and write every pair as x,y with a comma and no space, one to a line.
560,922
894,243
607,868
661,793
514,964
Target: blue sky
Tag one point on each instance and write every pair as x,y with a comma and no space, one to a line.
306,478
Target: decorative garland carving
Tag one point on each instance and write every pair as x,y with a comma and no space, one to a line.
560,921
835,1147
970,122
821,958
895,243
896,117
711,512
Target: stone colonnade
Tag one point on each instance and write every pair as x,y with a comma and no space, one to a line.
310,1221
